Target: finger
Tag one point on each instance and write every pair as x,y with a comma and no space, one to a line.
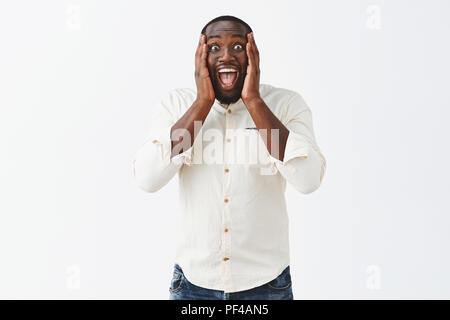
255,50
204,56
250,54
198,52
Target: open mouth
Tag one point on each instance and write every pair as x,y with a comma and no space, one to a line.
228,77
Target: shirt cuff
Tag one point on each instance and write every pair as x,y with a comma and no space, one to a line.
163,140
296,146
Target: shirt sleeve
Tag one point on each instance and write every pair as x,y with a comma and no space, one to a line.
152,164
303,165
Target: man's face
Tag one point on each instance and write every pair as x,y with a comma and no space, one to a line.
227,59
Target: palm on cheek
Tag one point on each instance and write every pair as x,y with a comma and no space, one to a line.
250,89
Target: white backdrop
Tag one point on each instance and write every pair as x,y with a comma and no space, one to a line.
78,83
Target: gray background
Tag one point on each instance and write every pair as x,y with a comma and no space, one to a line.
78,84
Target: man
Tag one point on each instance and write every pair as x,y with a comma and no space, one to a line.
234,143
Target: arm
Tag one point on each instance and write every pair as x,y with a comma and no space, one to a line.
303,165
274,133
293,149
153,165
171,140
263,118
183,133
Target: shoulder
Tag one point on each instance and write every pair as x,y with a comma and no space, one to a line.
282,101
181,95
178,100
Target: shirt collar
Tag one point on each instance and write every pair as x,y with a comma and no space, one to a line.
222,108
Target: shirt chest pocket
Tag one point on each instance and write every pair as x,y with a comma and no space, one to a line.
248,148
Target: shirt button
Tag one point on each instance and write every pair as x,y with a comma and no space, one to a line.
229,111
226,200
226,259
226,230
227,170
228,140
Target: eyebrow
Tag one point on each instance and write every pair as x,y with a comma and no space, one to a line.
234,35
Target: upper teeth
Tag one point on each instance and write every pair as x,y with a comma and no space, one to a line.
227,70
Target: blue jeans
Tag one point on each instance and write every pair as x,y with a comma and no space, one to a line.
279,288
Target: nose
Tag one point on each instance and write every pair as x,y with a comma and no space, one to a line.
226,56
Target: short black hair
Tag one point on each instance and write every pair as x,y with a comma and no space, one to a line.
227,18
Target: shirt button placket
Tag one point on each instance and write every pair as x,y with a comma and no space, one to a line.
227,201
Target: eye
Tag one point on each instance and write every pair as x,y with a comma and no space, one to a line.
238,47
214,47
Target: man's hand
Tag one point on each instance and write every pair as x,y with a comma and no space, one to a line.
250,90
205,90
182,132
262,116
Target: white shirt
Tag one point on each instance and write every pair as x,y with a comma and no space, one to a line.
234,233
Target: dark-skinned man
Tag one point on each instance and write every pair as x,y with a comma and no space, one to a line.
234,143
